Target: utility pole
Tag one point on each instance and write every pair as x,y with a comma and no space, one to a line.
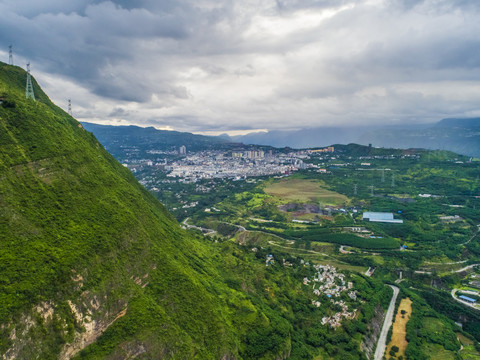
29,94
355,190
10,55
371,190
393,180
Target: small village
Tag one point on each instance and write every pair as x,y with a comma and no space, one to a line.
331,283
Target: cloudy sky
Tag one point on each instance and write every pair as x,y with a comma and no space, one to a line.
237,65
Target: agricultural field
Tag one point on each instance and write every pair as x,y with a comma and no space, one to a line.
318,217
305,191
468,351
399,331
438,352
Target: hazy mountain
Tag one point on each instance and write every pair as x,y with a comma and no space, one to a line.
461,136
458,135
304,138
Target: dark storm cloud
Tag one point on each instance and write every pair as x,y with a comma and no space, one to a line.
90,43
227,65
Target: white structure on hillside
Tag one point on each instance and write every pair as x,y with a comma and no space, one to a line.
381,217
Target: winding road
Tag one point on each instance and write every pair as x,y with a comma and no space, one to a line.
382,339
454,291
465,268
205,231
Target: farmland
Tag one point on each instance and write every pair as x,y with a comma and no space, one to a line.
399,331
305,190
316,217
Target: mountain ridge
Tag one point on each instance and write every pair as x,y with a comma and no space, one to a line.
454,134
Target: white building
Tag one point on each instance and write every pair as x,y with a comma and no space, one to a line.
381,217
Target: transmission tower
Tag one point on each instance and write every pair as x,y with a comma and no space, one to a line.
10,55
70,107
393,180
355,190
371,190
29,94
383,175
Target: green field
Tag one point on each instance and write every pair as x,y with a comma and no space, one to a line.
433,325
468,352
437,352
305,190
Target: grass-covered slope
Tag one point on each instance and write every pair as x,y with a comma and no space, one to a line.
93,267
84,246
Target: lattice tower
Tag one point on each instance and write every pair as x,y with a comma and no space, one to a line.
29,94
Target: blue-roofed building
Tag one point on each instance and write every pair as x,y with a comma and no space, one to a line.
467,299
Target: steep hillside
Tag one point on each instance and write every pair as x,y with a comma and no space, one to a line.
93,267
84,246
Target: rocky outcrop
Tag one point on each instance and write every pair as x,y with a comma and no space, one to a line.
93,329
374,328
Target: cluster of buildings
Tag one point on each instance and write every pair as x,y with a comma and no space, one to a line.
252,154
336,319
237,165
331,283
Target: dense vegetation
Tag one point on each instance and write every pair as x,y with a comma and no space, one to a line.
86,251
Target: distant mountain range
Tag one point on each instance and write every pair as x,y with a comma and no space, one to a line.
118,139
458,135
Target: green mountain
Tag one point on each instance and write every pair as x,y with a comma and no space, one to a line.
122,139
84,246
92,266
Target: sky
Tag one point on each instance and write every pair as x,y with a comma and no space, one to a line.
235,66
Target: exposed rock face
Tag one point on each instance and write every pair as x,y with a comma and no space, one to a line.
16,337
92,319
93,329
373,332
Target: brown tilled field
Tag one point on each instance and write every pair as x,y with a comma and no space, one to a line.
400,328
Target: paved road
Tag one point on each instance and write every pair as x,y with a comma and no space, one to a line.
382,340
240,227
461,301
205,231
465,268
473,236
